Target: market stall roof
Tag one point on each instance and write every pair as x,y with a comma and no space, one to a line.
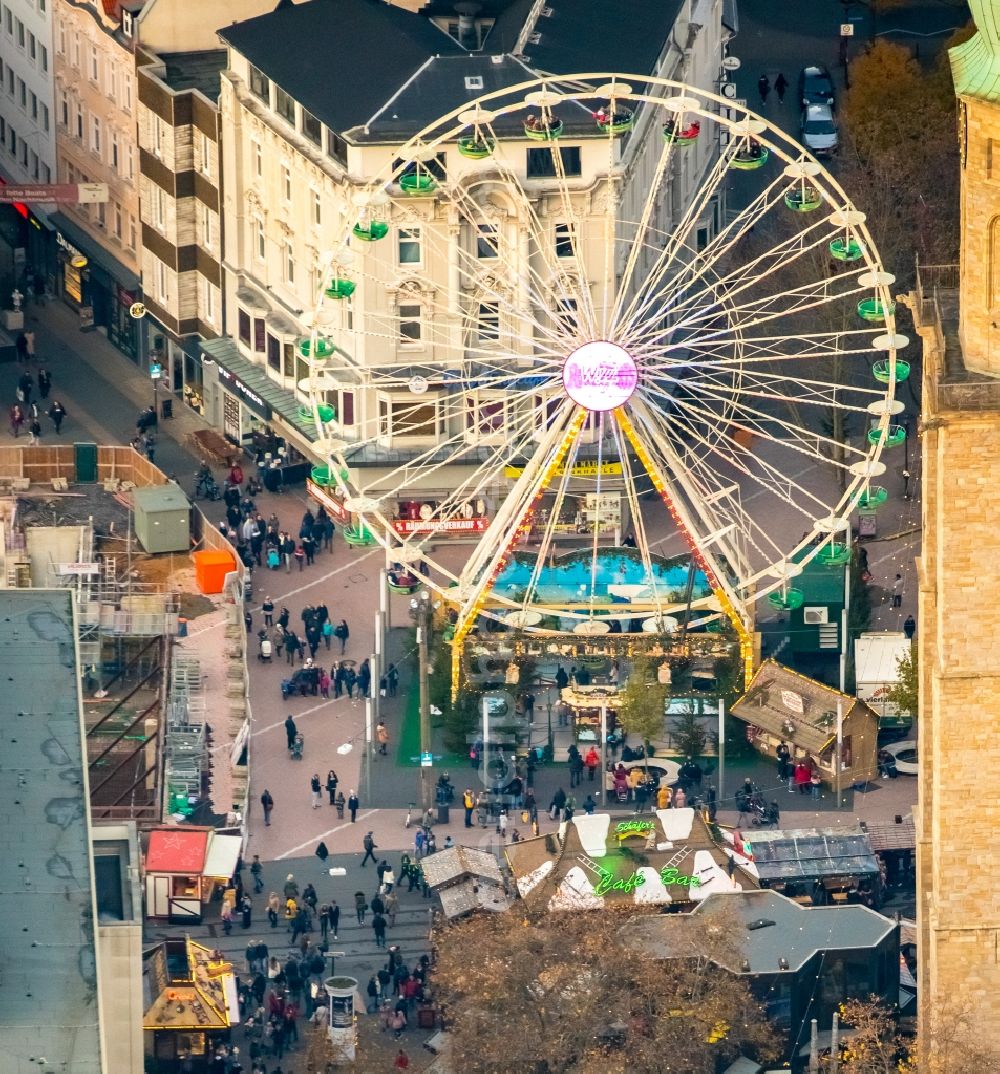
177,850
223,854
456,863
811,854
772,927
899,836
794,707
201,994
472,894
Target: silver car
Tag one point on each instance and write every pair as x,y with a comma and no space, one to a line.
819,131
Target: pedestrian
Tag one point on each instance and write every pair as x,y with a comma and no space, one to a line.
592,761
502,825
381,869
378,927
528,702
227,918
391,907
780,85
910,626
389,880
299,555
803,777
897,591
392,679
34,431
29,344
370,846
360,906
352,806
382,737
246,909
57,412
44,383
21,343
268,609
267,802
327,631
317,791
333,914
763,88
562,679
290,730
308,547
342,632
815,783
468,804
365,679
373,994
331,786
402,1060
783,753
322,851
287,551
273,908
257,871
16,419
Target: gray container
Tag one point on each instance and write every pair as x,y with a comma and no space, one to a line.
162,518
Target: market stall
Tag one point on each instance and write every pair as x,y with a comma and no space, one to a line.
183,868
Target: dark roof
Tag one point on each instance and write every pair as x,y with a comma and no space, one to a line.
796,933
194,71
812,854
340,59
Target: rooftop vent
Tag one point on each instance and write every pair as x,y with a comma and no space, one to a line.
473,82
760,923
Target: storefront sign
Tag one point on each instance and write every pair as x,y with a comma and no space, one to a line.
627,884
626,828
793,701
334,507
75,193
65,244
232,383
600,375
449,525
581,469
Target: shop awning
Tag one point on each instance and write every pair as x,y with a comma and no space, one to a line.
257,384
95,253
177,850
223,854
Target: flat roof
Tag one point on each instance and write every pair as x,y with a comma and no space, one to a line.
811,854
177,850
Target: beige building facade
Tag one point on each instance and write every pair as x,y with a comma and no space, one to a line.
956,314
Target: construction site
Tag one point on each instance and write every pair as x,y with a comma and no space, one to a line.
156,655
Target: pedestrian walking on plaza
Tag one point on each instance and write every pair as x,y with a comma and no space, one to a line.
34,432
331,786
388,878
402,1061
391,901
267,802
350,678
268,609
370,846
763,88
378,927
57,412
16,419
327,631
21,343
256,871
290,731
382,737
227,918
273,908
343,632
392,679
333,915
780,85
352,806
287,550
322,852
317,790
468,804
910,626
783,753
246,909
360,906
897,591
44,383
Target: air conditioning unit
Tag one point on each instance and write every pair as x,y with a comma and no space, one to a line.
814,616
473,82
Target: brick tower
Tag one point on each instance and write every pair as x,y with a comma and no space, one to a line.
957,314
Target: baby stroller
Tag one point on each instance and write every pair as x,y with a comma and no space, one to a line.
298,744
265,651
763,813
287,689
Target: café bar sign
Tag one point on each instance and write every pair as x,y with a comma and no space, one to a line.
607,881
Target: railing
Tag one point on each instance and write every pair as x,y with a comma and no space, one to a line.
931,278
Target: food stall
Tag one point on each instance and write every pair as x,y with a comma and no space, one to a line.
587,703
184,865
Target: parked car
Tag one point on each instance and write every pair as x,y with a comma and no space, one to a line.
905,753
816,86
819,131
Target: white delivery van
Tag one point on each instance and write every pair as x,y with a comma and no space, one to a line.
876,671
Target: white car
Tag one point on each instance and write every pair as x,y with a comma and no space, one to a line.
905,753
819,131
660,769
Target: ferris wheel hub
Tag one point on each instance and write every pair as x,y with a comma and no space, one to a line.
600,375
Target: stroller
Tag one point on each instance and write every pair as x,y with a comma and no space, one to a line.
763,813
288,688
298,743
265,650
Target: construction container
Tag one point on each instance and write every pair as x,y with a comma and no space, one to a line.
211,568
162,518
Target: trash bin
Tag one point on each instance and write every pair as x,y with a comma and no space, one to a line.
443,814
167,408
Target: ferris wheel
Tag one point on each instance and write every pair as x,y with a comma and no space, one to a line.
611,394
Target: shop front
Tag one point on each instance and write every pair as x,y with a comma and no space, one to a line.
184,866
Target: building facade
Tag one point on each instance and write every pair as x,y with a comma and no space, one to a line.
956,314
441,287
95,123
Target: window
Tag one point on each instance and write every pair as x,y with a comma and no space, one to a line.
161,280
19,26
409,246
44,54
12,139
22,93
34,106
3,133
209,303
102,214
76,52
79,122
158,136
114,150
260,84
207,152
409,325
95,135
346,409
487,241
42,6
259,334
127,91
488,325
244,327
10,81
484,417
1,72
8,21
63,109
206,227
541,163
411,418
286,182
701,238
566,314
130,162
112,86
565,241
94,70
317,208
336,148
274,352
284,105
312,128
118,221
131,234
260,240
45,117
159,207
34,164
258,160
289,263
61,47
32,47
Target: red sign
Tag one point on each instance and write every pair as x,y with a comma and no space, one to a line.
431,525
336,509
77,193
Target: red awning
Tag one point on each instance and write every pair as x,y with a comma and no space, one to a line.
176,850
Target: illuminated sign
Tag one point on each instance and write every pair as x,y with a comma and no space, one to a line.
581,469
444,525
627,828
600,375
668,876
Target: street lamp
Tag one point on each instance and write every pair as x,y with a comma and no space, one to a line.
420,613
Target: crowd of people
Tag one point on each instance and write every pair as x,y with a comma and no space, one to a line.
27,410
